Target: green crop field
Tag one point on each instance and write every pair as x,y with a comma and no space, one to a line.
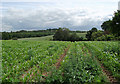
60,62
82,35
43,38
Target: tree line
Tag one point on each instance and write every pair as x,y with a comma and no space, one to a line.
25,34
110,30
28,34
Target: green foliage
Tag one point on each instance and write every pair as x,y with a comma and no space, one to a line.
101,36
78,66
63,34
25,34
6,36
105,38
89,33
97,34
113,25
0,36
21,56
106,26
109,54
74,37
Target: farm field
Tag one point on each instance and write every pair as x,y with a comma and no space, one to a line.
43,38
60,62
82,35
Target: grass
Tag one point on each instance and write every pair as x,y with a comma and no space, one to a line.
82,35
44,38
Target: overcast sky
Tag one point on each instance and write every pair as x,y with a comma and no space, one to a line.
44,14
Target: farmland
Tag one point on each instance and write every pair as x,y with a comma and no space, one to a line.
60,62
82,35
43,38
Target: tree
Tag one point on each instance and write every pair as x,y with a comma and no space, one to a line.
106,25
74,37
62,34
115,24
97,34
94,29
89,33
6,36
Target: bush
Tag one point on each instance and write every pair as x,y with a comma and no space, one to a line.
97,34
102,38
110,37
105,38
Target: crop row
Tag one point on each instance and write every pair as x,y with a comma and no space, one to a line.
26,61
79,66
108,54
21,57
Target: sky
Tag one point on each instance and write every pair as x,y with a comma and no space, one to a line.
43,14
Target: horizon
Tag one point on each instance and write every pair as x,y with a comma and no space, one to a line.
41,15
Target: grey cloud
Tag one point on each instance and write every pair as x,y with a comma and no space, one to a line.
75,19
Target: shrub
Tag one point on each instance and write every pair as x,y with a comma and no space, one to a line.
105,38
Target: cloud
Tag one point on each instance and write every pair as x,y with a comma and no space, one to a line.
58,0
35,16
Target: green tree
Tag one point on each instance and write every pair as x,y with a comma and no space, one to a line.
94,29
62,34
74,37
6,36
115,24
89,33
97,34
106,25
